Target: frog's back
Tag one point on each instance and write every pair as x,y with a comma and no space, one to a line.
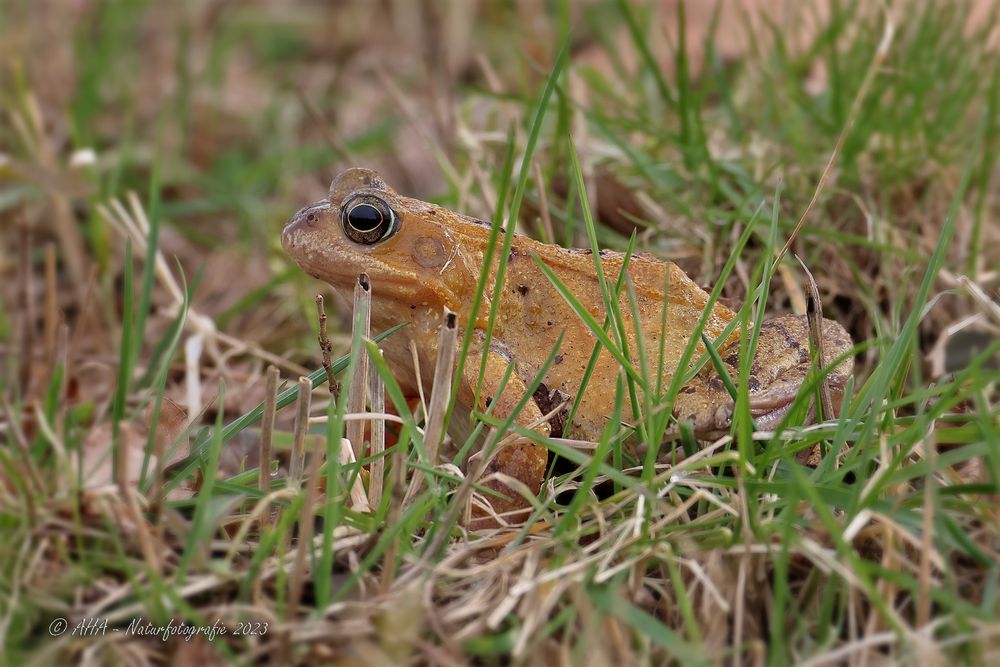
533,315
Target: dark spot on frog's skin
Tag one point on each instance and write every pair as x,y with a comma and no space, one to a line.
523,289
558,359
549,323
794,344
483,223
715,384
785,333
753,383
688,390
432,212
604,252
311,217
413,306
732,359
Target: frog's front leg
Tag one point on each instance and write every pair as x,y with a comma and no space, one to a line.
523,459
781,364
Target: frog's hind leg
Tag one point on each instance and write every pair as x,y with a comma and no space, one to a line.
781,365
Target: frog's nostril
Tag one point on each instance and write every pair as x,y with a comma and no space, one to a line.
303,220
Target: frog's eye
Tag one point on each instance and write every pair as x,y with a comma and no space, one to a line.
368,219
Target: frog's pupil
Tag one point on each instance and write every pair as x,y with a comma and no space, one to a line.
364,217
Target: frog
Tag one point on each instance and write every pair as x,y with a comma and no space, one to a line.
423,260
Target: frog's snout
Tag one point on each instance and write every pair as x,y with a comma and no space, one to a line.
302,225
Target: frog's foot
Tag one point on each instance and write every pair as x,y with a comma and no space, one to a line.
780,367
525,462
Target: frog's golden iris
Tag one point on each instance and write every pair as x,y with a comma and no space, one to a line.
368,219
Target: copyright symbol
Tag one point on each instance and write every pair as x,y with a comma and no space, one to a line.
58,626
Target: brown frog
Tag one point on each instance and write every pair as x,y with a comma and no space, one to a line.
423,258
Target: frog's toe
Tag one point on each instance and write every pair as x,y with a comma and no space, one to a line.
770,419
778,396
707,421
770,406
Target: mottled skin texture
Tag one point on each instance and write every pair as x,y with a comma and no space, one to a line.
780,366
433,260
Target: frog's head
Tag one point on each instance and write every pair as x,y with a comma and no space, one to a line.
406,246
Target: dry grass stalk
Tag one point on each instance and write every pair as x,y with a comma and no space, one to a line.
989,306
301,430
60,361
440,395
415,355
377,469
814,315
147,543
307,517
193,348
357,397
266,438
35,484
359,500
927,546
543,204
397,500
163,438
132,509
740,612
31,125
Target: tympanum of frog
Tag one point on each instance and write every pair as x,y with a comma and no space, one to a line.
422,258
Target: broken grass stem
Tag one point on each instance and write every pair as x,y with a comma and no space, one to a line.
357,397
266,437
440,394
377,393
301,430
